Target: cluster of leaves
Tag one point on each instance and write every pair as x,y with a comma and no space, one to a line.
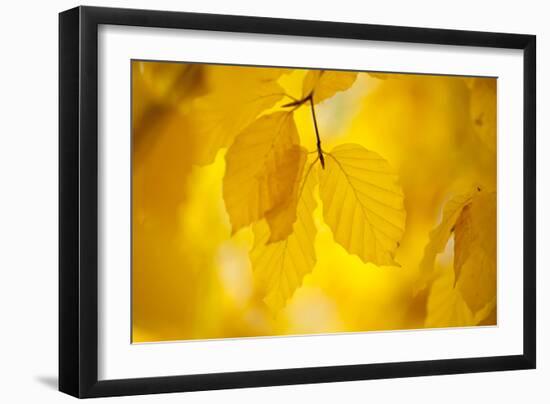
276,177
271,179
468,225
469,220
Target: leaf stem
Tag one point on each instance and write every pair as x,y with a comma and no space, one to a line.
319,148
296,103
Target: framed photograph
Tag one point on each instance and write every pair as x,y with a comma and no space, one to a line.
251,201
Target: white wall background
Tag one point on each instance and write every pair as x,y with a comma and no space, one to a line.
28,199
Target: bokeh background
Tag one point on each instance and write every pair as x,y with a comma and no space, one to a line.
192,280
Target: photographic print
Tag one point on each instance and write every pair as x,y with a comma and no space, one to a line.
274,201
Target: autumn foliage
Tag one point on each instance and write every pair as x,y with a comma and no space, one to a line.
274,201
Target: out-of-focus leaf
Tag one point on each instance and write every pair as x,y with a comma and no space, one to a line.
221,114
161,92
483,109
445,306
475,250
171,82
439,237
472,219
362,203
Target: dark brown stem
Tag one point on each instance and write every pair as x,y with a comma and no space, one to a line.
295,103
319,149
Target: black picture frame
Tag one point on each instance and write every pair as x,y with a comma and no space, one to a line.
78,201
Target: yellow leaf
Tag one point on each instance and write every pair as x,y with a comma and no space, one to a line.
170,82
472,219
281,218
160,91
475,251
257,164
280,267
477,282
463,236
439,237
362,203
445,306
325,83
220,115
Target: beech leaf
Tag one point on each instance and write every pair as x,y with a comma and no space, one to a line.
323,84
221,114
363,203
280,267
259,167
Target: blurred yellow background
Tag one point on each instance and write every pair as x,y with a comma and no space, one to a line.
193,280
